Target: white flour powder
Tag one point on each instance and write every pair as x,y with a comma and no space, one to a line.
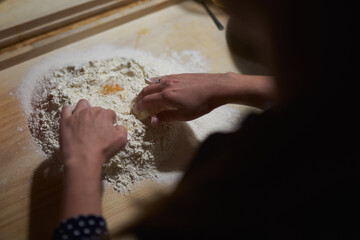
112,80
111,84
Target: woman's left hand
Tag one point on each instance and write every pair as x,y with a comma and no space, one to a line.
88,134
87,138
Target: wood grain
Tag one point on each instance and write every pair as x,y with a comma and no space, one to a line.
20,11
29,189
62,36
43,17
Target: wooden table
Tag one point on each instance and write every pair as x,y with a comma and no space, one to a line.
29,191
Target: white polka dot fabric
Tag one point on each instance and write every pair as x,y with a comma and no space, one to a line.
84,227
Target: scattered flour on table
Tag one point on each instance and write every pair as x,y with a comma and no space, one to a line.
111,83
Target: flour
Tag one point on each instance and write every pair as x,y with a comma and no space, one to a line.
111,84
112,79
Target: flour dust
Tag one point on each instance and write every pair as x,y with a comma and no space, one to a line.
110,83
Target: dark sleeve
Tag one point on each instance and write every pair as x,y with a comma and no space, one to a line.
84,227
281,176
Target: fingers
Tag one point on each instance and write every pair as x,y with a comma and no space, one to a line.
118,142
82,104
66,112
108,114
156,80
155,85
111,114
156,102
122,132
65,115
151,89
168,116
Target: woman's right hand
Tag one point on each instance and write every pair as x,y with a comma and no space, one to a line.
180,97
184,97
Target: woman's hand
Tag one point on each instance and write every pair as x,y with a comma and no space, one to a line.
88,133
178,97
185,97
87,138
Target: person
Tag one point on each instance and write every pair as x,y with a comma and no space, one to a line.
289,172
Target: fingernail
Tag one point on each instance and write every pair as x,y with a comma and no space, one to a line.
155,121
148,80
154,79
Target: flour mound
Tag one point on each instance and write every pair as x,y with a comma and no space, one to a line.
111,84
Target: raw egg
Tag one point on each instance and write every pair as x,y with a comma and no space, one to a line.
111,88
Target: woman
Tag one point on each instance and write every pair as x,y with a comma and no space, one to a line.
288,173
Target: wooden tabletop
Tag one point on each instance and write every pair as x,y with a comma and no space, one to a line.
29,189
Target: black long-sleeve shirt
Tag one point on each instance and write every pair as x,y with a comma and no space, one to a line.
286,174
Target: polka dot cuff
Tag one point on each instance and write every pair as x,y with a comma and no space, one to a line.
84,227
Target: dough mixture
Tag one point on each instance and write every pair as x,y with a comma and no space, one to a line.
111,84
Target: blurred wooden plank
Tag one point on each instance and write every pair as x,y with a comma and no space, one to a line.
26,19
17,12
46,42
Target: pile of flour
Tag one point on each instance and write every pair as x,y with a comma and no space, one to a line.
111,83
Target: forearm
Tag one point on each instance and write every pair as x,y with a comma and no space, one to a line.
82,190
255,91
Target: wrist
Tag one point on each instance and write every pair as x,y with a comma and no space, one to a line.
84,165
251,90
222,88
81,190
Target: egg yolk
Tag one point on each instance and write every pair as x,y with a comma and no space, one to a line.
111,88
